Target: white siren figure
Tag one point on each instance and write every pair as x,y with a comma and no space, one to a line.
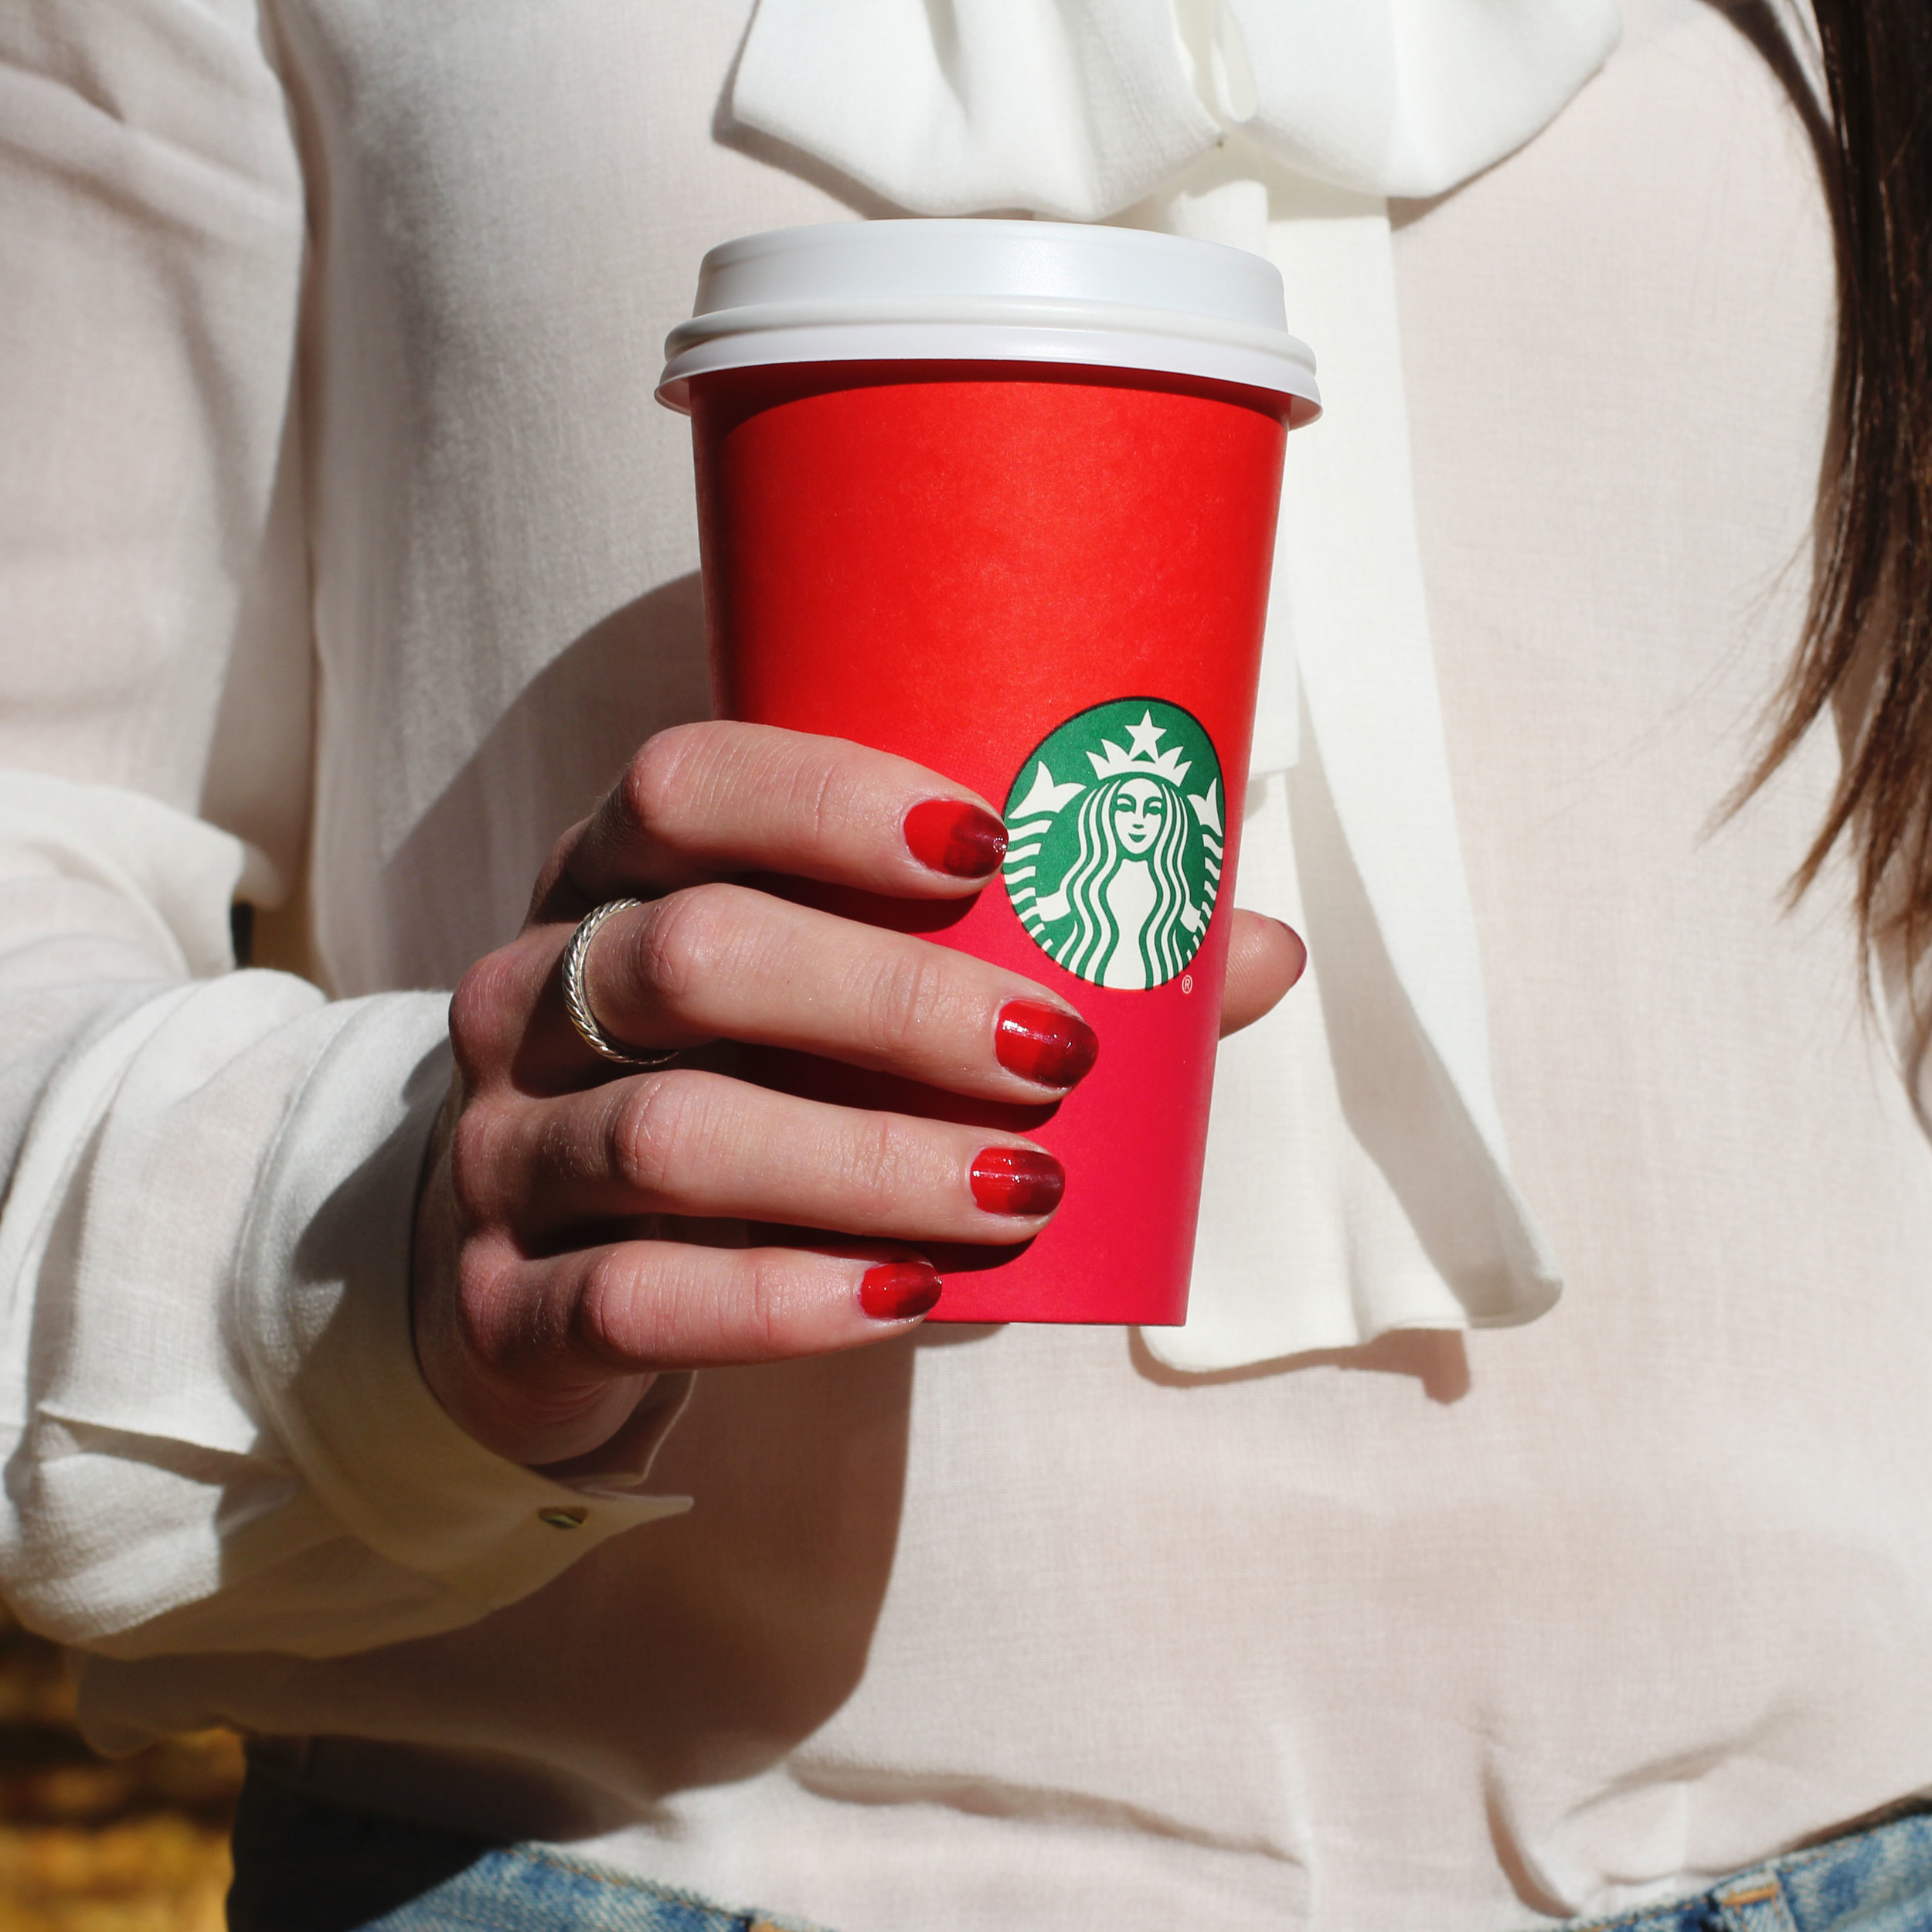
1135,923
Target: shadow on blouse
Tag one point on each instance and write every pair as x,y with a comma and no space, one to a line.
460,883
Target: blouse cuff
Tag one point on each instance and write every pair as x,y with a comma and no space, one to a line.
323,1318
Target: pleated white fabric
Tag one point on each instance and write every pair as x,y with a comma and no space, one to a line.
1278,127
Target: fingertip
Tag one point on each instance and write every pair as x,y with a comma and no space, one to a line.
954,838
902,1291
1266,957
1044,1044
1024,1182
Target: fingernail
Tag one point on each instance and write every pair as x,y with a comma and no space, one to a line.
949,835
1045,1044
1018,1180
898,1291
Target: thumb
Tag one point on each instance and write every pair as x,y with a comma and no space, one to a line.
1265,958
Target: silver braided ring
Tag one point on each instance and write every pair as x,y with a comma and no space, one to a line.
578,1007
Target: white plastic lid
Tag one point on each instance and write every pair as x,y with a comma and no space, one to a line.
1008,292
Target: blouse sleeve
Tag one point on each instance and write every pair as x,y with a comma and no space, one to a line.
216,1437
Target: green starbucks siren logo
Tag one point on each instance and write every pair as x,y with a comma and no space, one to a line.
1115,858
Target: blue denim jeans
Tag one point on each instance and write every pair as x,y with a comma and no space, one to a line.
304,1866
301,1866
1879,1879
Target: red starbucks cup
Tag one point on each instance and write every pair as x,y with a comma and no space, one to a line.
1000,497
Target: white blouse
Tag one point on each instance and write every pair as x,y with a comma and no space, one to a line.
347,556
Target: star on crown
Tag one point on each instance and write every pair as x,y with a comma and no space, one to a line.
1145,758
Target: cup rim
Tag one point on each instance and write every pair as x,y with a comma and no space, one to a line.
817,294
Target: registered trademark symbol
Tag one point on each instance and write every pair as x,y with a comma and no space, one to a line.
1187,982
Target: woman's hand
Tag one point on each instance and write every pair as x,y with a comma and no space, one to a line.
578,1227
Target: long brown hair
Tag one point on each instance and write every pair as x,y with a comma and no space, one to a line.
1865,653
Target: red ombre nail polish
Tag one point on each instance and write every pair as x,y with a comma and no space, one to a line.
1045,1044
1017,1180
898,1291
949,835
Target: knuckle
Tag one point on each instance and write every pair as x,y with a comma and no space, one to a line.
477,1163
686,940
822,799
658,1131
602,1315
483,1305
661,777
909,993
818,792
763,1316
483,1012
880,1150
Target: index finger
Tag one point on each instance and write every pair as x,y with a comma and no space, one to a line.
707,801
